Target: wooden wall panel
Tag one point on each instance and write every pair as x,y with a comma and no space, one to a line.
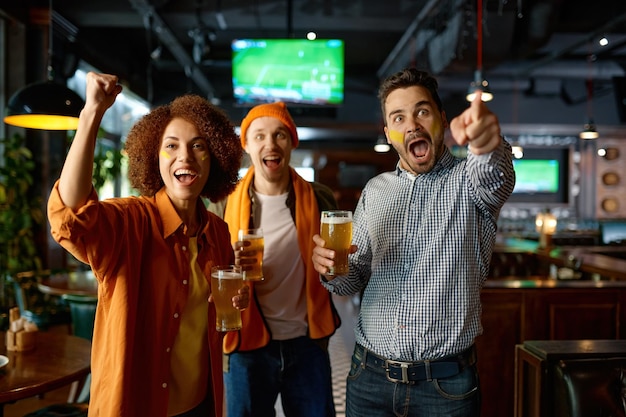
502,321
611,179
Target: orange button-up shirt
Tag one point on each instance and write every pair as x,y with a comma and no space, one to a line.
139,255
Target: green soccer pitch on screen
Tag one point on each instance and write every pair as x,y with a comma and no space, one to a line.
301,71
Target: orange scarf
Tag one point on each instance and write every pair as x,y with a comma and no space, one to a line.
321,314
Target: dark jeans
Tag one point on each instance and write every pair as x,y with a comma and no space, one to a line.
298,369
369,393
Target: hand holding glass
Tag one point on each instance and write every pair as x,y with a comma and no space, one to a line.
226,281
257,243
336,230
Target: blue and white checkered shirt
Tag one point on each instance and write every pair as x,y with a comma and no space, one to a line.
424,247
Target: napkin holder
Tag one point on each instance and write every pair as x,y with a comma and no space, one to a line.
22,334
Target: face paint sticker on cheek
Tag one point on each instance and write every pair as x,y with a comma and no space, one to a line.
204,157
437,129
396,136
165,155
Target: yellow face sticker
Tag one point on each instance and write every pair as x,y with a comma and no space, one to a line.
165,155
437,129
205,157
396,136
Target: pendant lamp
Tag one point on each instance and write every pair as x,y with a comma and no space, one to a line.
381,145
589,128
46,105
479,82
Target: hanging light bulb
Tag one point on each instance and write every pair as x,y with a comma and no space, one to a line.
381,145
589,128
589,131
45,105
479,82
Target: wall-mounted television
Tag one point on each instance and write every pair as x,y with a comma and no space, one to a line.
542,176
300,71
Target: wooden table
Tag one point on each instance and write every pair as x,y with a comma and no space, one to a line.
73,283
80,290
56,361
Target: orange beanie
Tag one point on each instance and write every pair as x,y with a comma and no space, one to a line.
277,110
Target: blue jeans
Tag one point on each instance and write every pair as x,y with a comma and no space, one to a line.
298,369
369,393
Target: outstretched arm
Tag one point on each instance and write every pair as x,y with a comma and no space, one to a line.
76,177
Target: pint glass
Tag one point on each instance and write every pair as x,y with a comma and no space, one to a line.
225,282
257,243
336,230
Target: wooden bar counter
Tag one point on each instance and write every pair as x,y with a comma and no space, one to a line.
606,262
538,307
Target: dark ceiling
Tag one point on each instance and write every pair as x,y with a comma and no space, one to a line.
531,43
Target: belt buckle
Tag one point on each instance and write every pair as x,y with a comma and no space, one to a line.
404,367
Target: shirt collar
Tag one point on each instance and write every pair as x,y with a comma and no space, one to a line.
172,221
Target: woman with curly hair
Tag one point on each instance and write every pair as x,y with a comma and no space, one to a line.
155,349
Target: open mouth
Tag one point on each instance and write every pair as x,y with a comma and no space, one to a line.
272,162
419,149
185,176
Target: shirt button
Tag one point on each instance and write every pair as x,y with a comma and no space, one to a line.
168,350
184,247
164,385
184,282
175,315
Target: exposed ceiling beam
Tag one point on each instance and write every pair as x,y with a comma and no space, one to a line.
384,69
166,36
526,71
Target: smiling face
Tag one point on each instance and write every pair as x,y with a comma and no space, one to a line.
269,145
415,128
184,162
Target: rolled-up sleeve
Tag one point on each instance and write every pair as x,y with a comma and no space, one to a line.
68,227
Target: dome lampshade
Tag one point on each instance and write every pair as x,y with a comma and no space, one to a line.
44,105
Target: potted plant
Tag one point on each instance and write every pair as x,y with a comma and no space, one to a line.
107,161
20,213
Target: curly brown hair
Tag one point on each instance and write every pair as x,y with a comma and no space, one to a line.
144,141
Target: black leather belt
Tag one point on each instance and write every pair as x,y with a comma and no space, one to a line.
410,372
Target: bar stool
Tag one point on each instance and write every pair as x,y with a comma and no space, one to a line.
83,313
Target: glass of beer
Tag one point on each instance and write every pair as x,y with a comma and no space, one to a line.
336,230
225,282
257,243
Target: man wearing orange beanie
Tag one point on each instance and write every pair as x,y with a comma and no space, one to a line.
282,346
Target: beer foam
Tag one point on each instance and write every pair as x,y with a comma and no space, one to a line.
227,275
336,220
244,237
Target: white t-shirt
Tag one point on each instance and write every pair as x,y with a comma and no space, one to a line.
282,293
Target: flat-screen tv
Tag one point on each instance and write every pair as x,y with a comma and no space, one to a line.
300,71
541,176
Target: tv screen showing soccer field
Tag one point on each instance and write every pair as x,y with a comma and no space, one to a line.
307,72
536,176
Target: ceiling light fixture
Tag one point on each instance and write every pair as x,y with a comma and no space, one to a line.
381,145
479,82
46,105
589,128
589,131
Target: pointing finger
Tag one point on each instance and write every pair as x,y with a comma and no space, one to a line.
476,106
